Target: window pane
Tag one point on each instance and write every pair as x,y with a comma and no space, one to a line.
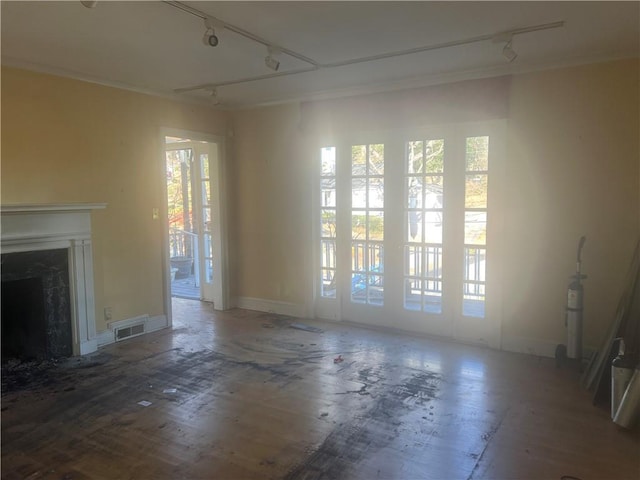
433,299
376,258
434,152
412,294
328,193
204,165
473,308
328,288
359,287
414,192
376,193
376,289
475,228
433,188
328,259
376,225
358,256
433,227
328,159
475,192
359,192
206,192
477,154
206,216
474,264
413,261
329,223
474,282
208,267
415,158
359,224
376,159
414,227
358,160
433,262
208,246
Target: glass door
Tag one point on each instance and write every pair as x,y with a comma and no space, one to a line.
405,230
191,188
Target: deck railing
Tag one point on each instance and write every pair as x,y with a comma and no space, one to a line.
184,244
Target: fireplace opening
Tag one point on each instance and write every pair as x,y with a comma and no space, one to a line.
24,329
36,312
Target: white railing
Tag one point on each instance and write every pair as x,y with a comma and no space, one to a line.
185,244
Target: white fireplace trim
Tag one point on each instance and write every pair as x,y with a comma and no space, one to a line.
54,226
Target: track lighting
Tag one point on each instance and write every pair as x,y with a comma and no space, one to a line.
214,96
215,25
508,52
210,39
271,60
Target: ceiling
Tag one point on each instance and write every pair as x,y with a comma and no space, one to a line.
156,47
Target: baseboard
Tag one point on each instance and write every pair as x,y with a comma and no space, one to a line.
270,306
105,338
151,324
155,323
533,346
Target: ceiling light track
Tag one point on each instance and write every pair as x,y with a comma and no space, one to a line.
273,63
438,46
505,36
209,86
240,31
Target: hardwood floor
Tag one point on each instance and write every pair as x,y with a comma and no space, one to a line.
255,398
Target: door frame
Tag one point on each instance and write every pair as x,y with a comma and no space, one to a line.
219,209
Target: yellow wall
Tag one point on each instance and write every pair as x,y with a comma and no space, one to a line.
572,168
271,205
70,141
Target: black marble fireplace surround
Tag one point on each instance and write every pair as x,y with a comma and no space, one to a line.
36,310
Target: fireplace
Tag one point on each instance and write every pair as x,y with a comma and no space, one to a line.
36,313
48,307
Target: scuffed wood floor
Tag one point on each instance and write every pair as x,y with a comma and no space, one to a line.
255,398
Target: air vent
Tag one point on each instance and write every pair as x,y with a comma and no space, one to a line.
129,331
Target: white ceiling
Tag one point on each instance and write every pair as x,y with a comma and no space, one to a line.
155,47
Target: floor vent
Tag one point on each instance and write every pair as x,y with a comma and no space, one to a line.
129,331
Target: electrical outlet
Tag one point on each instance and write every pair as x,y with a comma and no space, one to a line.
107,313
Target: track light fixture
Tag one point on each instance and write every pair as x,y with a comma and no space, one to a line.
271,60
508,52
210,39
214,96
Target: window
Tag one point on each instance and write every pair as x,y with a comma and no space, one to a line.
424,215
475,225
367,224
328,218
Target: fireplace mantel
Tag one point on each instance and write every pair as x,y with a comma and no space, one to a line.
30,227
50,207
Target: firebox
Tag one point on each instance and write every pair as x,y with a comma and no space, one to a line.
36,314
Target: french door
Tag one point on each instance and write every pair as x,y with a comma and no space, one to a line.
193,202
407,231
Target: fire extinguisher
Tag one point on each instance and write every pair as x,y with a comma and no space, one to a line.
575,307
